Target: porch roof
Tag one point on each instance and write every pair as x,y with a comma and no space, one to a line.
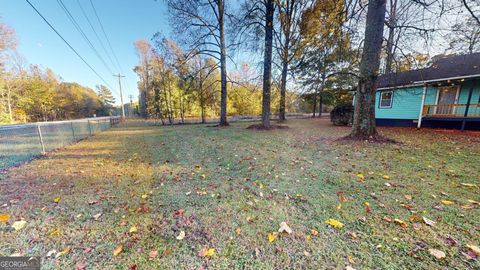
442,68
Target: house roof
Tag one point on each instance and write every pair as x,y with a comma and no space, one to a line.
442,68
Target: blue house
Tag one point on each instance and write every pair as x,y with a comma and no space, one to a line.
444,95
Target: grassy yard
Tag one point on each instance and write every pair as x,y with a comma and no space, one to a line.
133,190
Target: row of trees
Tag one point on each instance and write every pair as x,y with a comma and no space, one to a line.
30,93
311,47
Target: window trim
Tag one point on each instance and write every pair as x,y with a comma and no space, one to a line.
380,101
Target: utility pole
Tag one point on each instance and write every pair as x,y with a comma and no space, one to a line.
121,96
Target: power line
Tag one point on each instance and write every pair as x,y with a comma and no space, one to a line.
96,34
68,44
82,33
108,41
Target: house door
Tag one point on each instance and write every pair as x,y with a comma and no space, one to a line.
447,96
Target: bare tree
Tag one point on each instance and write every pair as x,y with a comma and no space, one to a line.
473,8
201,24
364,121
287,38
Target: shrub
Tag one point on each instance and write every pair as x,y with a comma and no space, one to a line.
342,115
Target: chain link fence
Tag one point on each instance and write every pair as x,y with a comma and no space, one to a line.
20,143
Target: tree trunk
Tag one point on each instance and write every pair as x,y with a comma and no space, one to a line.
9,104
267,63
223,64
392,23
364,120
283,83
320,106
314,103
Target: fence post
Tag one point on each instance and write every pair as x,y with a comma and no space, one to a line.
73,131
41,139
89,128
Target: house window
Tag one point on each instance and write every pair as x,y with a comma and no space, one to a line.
386,100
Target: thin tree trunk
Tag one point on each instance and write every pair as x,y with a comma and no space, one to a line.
392,23
267,63
223,64
320,106
364,120
283,84
9,103
314,103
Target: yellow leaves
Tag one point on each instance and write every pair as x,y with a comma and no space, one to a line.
56,200
284,228
144,196
473,248
118,250
272,236
206,252
386,177
437,253
181,235
203,176
447,202
238,231
401,223
63,253
314,232
361,176
55,232
468,185
18,225
4,217
133,229
334,223
473,201
260,185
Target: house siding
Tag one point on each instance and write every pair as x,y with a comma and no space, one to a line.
407,102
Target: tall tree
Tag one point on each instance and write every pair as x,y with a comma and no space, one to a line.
267,62
144,52
364,119
106,98
289,17
201,24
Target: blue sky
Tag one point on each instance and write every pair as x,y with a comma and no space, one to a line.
124,21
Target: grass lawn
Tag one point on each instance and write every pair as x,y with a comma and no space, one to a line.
134,189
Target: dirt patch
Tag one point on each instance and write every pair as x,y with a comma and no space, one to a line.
262,127
379,139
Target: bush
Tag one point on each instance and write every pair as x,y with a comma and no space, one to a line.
342,115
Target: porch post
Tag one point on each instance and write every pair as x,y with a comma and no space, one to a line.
419,125
464,122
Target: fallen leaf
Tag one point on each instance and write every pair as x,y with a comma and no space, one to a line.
4,218
429,222
63,253
181,235
56,200
18,225
401,223
118,250
387,219
473,248
97,216
167,251
81,266
334,223
272,236
361,176
468,185
408,197
447,202
51,253
306,253
386,177
349,268
206,252
437,253
133,229
54,232
284,228
314,232
144,196
238,231
153,254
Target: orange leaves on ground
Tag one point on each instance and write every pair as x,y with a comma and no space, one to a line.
313,232
401,223
4,217
334,223
118,250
